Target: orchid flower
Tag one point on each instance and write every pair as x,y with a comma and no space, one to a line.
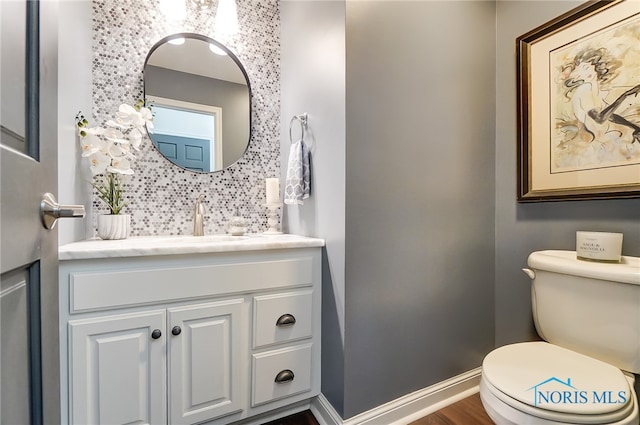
91,144
99,162
147,116
115,136
109,150
120,166
135,137
117,151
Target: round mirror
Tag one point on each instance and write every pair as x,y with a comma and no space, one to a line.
201,101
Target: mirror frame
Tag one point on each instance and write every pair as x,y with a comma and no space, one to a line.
206,39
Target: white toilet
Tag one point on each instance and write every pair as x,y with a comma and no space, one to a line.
589,314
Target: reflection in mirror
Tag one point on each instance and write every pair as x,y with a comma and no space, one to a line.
201,101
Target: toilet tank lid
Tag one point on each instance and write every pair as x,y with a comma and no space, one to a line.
566,262
554,378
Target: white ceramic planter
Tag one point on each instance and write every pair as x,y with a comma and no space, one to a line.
113,226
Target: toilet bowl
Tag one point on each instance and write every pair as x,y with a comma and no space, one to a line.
589,315
538,383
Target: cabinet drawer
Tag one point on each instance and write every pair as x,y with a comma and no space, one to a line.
282,317
291,366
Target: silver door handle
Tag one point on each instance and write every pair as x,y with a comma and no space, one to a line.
51,211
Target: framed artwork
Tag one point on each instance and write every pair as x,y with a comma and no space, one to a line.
579,104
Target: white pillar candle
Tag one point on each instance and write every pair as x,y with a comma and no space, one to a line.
273,191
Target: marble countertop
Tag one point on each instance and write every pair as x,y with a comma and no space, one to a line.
169,245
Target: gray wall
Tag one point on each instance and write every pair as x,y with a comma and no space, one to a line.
231,97
74,94
313,81
420,195
412,203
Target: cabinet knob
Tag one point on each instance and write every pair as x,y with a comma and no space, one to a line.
176,330
284,376
286,320
157,333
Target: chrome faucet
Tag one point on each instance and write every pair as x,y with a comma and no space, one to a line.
198,217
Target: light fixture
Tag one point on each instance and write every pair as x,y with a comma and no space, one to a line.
226,21
173,10
227,17
202,4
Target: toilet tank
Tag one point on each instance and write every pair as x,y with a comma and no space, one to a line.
589,307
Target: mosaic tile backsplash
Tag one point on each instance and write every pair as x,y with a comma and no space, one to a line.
161,196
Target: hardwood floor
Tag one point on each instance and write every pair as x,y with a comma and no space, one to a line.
468,411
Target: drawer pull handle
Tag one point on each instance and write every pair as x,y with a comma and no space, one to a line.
176,330
286,320
157,333
284,376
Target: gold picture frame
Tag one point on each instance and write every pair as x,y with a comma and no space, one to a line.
579,105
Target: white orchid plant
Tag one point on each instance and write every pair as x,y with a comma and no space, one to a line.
110,150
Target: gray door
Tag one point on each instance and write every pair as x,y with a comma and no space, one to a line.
29,367
187,152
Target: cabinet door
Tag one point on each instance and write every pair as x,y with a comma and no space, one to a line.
207,361
117,366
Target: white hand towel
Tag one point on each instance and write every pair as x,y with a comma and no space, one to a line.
298,183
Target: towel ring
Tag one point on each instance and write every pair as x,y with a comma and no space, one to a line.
302,119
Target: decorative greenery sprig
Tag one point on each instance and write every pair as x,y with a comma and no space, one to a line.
110,150
111,191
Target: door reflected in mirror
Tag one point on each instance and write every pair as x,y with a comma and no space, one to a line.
201,100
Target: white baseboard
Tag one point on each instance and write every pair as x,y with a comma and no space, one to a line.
407,408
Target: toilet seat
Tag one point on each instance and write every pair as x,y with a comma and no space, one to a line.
514,375
494,398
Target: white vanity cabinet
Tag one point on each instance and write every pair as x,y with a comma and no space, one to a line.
208,337
118,362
